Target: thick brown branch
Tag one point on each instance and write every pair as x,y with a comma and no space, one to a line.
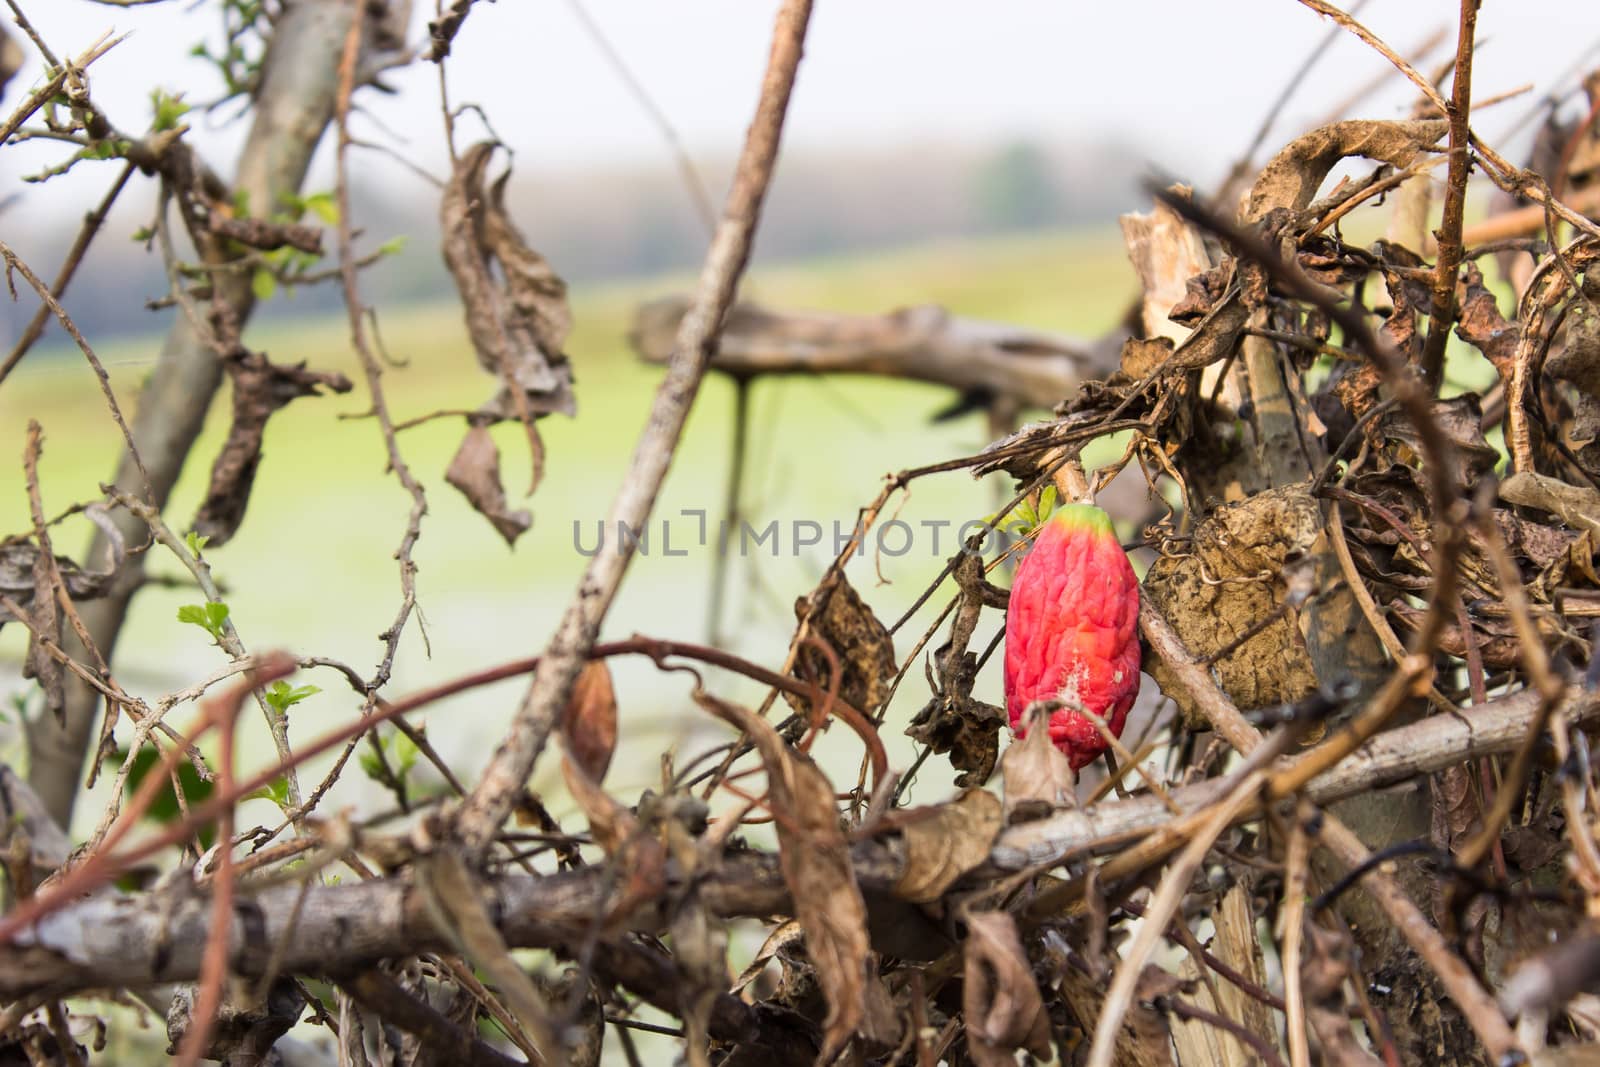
925,344
132,941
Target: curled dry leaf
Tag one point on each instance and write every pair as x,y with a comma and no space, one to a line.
1577,363
475,471
1460,418
588,739
1000,996
1496,639
1295,174
945,842
518,324
953,720
862,644
260,388
815,859
26,814
784,935
517,320
44,631
1038,777
589,723
1482,326
19,556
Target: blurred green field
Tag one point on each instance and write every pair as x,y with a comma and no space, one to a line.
312,570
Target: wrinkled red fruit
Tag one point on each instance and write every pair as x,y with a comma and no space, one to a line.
1072,630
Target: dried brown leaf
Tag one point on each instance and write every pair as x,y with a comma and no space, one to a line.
947,842
260,388
589,723
815,859
516,311
475,470
1038,777
1482,326
862,643
19,556
45,631
953,721
1460,418
1141,355
26,814
1496,638
519,321
1000,997
1292,178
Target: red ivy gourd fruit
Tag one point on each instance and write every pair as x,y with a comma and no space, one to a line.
1072,631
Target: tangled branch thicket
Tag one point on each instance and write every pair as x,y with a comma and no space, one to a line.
1360,829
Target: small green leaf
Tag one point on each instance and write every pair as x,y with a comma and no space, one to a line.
263,283
405,754
324,207
143,234
196,541
281,696
276,791
210,617
169,110
371,766
392,246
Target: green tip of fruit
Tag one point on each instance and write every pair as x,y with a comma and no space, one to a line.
1083,517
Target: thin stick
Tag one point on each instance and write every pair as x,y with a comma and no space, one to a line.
1163,906
224,714
692,181
502,782
1294,913
730,509
1443,308
1376,43
370,366
14,262
69,266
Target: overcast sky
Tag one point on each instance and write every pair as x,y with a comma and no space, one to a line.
1185,81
